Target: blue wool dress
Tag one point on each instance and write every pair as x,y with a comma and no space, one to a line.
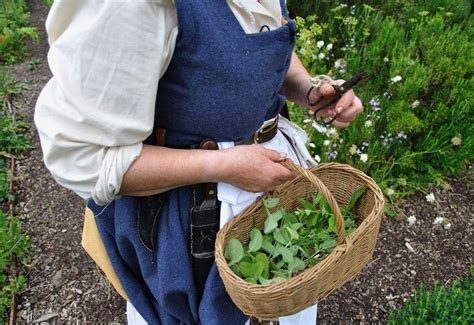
222,84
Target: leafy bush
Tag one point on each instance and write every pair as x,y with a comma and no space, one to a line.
14,18
12,243
439,306
13,142
418,123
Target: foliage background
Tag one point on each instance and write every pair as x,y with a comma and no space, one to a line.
417,125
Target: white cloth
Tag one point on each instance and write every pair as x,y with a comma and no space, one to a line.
98,108
234,200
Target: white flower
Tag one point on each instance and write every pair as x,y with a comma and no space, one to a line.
364,157
317,158
438,221
302,50
430,197
353,150
308,120
415,104
339,63
326,142
320,44
447,226
312,145
397,78
341,140
329,46
368,123
411,220
385,59
321,56
456,141
320,128
390,192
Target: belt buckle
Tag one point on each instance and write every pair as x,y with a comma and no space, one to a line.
267,124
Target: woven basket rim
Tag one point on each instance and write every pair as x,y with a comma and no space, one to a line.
277,287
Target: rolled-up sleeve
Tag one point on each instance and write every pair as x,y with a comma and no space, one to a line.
92,117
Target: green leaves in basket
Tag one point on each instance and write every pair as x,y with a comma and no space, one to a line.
256,240
272,220
234,251
271,202
291,241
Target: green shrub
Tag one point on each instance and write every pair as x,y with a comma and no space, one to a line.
439,306
14,19
12,243
418,122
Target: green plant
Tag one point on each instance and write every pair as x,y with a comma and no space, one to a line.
14,19
291,241
439,305
418,124
12,244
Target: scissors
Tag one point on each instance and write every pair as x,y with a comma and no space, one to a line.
325,102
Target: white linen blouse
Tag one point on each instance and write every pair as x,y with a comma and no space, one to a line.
107,58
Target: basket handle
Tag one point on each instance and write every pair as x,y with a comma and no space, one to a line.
340,225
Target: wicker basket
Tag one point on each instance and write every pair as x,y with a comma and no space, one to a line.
337,183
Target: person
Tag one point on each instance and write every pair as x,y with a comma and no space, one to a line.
135,86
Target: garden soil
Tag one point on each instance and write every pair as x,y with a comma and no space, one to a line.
65,286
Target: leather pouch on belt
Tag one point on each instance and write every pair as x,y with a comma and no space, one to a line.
203,235
149,208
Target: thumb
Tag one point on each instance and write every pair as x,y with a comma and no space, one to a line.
274,155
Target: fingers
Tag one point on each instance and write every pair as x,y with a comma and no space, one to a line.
282,174
325,90
348,115
273,155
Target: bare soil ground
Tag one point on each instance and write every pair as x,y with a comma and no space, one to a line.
64,285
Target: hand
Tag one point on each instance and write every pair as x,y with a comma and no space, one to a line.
347,107
253,168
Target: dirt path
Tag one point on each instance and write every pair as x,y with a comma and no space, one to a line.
63,282
65,286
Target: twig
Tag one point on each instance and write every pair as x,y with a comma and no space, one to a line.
13,269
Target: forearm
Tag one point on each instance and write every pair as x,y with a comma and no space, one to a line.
159,169
296,82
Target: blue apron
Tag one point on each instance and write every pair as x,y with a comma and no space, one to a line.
222,84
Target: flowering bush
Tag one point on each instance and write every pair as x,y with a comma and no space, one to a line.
417,125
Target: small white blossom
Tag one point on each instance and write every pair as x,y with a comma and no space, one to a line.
368,123
326,142
396,79
308,120
390,192
430,197
415,104
411,220
302,50
312,145
320,128
320,44
317,158
339,63
329,47
341,140
456,141
438,221
321,56
385,59
447,226
364,157
353,150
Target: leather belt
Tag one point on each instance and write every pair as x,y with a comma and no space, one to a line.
265,133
